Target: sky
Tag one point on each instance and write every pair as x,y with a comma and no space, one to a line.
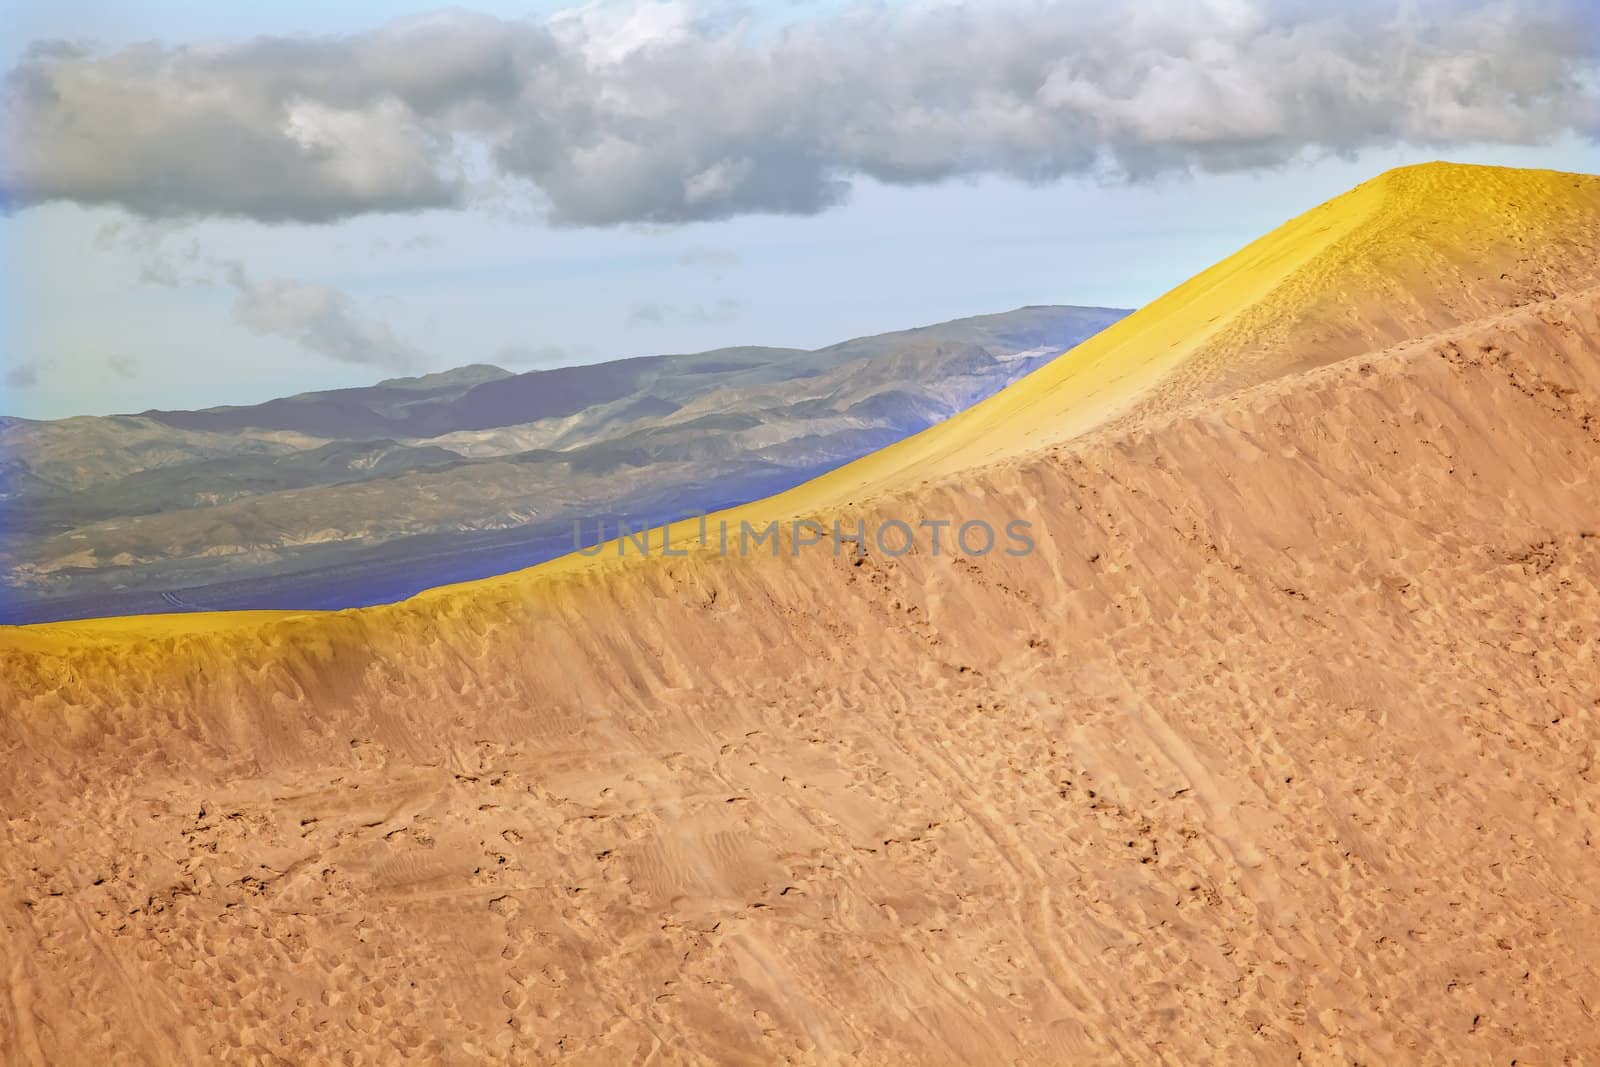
221,203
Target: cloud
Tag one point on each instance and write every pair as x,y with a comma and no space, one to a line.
317,317
145,242
651,313
420,242
709,258
653,114
647,312
22,376
320,319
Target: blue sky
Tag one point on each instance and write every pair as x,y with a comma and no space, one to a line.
115,305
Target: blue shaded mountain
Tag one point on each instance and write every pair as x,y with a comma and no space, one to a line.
353,496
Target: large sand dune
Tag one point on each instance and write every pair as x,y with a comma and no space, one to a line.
1281,742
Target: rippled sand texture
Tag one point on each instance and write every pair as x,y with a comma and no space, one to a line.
1282,742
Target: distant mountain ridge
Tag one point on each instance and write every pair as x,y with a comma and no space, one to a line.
480,396
351,496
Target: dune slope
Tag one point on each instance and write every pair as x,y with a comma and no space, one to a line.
1411,252
1280,743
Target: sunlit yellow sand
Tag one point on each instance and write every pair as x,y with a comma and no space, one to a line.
1403,255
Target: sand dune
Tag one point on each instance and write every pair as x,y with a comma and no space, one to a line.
1280,744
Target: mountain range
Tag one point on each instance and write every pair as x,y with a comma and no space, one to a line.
357,496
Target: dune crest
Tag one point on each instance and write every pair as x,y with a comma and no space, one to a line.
1414,251
1280,744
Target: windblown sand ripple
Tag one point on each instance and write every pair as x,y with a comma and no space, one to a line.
1281,744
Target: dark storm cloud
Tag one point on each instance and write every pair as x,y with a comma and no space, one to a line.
651,115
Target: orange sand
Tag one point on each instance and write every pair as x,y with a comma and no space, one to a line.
1281,744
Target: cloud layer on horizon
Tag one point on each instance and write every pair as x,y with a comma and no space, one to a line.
654,114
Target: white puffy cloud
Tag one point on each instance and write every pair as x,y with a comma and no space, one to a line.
653,114
318,318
